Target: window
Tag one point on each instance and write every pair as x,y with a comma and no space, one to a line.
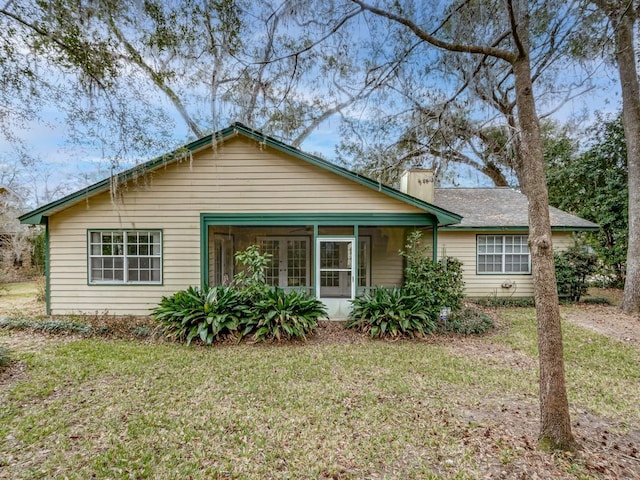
133,256
503,254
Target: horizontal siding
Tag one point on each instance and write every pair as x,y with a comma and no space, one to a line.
241,176
462,245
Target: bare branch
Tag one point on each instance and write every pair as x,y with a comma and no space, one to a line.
431,39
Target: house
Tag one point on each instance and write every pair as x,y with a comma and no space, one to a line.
491,239
177,221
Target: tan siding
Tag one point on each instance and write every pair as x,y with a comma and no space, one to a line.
241,176
386,263
462,245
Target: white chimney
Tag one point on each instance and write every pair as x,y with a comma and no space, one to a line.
419,183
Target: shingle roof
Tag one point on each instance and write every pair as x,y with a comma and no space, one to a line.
499,208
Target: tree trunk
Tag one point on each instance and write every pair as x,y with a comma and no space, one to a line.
625,57
555,423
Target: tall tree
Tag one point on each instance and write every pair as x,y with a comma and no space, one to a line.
623,15
507,39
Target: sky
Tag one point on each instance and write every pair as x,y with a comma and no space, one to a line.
65,162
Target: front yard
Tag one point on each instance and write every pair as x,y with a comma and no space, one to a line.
339,406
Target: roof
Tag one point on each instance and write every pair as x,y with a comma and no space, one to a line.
38,215
500,208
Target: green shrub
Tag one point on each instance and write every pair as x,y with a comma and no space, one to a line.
208,314
390,312
495,301
573,267
468,321
279,314
5,358
437,284
247,306
596,301
52,326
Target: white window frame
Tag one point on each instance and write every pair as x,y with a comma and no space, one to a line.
124,255
503,254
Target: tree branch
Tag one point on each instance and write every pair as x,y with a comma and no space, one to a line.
431,39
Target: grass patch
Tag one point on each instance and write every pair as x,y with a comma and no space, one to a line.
5,357
96,408
602,374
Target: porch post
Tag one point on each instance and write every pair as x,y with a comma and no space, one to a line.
356,248
435,242
314,290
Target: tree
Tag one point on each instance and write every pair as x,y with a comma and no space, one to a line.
126,75
622,15
593,185
507,39
445,110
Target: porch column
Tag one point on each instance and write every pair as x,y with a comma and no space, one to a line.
435,242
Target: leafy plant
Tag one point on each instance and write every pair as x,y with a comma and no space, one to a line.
390,312
573,267
207,314
496,301
437,284
468,321
281,314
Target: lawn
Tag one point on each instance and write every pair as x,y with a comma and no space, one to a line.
446,407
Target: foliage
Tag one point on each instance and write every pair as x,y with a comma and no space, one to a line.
437,284
573,267
596,301
5,357
53,326
38,252
413,309
247,306
207,314
593,185
496,301
390,312
469,321
279,314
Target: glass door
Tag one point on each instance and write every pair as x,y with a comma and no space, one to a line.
335,274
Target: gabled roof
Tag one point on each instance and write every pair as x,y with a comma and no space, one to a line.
500,209
37,216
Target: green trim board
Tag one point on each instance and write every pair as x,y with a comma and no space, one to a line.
36,216
515,229
47,270
319,219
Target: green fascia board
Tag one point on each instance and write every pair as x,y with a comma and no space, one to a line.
515,229
35,217
334,219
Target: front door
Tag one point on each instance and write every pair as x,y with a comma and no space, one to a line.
335,275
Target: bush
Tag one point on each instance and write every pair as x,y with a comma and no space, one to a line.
5,358
467,322
52,326
279,314
247,306
495,301
208,314
573,267
390,312
437,284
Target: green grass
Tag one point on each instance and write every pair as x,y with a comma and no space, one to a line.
96,408
602,374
